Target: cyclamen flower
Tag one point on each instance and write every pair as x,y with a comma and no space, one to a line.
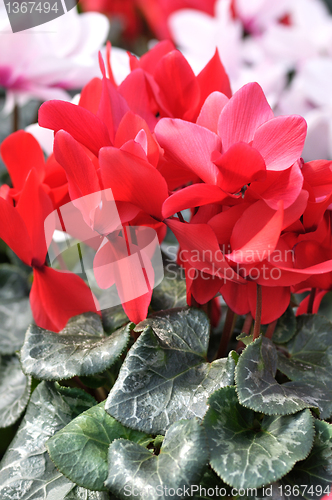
55,296
277,44
43,63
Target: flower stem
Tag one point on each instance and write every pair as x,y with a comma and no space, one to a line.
16,118
257,327
270,329
226,333
311,300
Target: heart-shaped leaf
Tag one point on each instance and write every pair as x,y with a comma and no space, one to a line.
286,327
134,472
13,283
258,389
27,472
15,317
14,390
172,291
247,452
80,449
312,477
165,376
309,352
113,318
81,348
79,493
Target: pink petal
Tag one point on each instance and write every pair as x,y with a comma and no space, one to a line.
210,111
280,141
285,185
244,113
189,145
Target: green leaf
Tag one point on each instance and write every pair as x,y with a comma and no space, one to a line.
79,349
258,389
315,471
113,318
309,353
14,390
245,338
13,283
210,487
247,452
15,317
79,493
135,473
27,472
286,327
80,449
165,376
172,291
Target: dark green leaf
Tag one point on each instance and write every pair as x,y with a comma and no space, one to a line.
247,452
13,283
310,351
79,349
14,390
113,318
79,493
286,327
165,376
210,487
135,473
316,471
80,449
27,472
171,292
258,389
15,317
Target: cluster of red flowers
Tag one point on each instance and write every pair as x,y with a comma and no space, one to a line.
165,141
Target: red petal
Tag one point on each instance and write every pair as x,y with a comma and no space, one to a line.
129,127
21,152
256,233
244,113
318,174
83,125
34,206
236,297
91,95
223,223
112,108
200,249
280,141
275,301
133,179
303,307
190,145
179,89
192,196
56,297
213,77
80,170
150,59
239,166
14,232
137,92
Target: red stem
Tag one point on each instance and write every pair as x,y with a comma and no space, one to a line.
227,333
311,300
257,327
